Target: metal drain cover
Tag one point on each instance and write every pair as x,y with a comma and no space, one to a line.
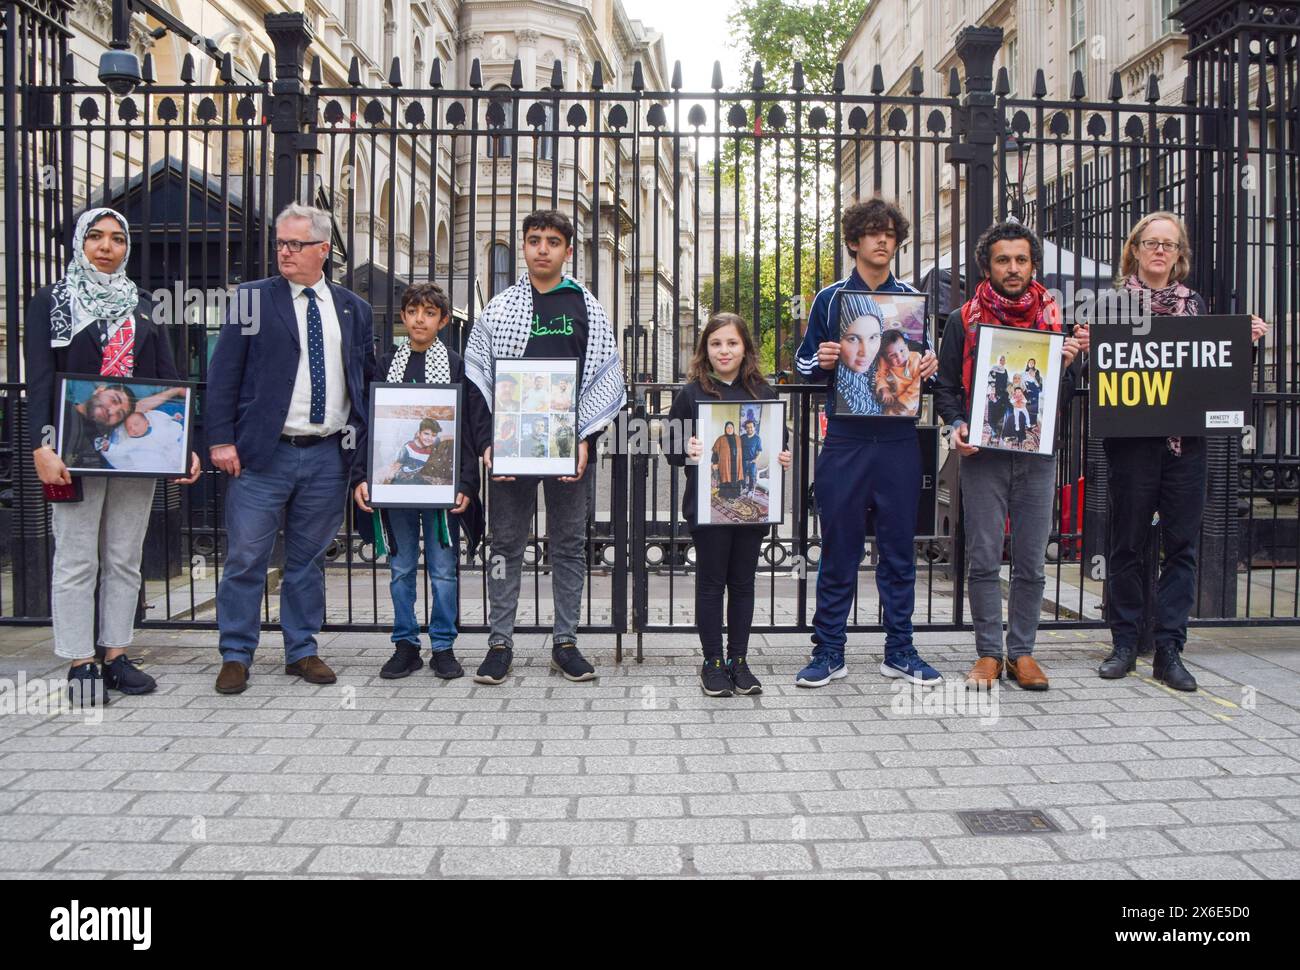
1008,822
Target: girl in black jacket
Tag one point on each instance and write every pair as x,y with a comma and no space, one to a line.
94,320
724,368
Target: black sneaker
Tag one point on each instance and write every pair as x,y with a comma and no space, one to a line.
404,661
86,686
742,678
714,679
496,665
567,660
123,675
444,665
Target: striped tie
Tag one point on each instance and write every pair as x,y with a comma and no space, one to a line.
316,357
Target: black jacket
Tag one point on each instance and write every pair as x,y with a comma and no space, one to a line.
682,414
949,395
82,355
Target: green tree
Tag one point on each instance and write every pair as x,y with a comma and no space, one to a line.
780,32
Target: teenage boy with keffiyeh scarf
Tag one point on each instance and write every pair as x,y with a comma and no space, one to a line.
545,314
994,483
424,359
868,464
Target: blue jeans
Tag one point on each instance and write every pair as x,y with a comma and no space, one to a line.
404,564
306,489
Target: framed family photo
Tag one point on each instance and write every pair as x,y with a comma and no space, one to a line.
535,417
1016,384
414,459
882,339
123,426
740,481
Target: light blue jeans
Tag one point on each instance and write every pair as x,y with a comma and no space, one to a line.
404,564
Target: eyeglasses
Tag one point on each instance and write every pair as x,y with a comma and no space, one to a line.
295,245
1151,245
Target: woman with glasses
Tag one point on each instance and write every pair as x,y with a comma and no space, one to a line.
1146,476
94,320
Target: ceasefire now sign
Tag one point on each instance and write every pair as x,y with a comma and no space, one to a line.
1170,376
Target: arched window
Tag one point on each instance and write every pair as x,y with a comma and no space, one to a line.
500,146
500,268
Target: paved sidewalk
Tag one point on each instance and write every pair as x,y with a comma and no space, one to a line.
640,774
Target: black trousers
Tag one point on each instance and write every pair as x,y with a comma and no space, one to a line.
1144,477
726,558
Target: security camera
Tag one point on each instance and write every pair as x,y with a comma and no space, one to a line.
119,71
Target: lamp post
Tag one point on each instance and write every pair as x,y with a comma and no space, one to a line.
1014,183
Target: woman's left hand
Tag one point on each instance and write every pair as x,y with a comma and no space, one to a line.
462,504
196,468
785,458
1257,328
929,364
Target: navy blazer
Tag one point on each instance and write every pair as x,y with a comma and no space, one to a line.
83,354
251,374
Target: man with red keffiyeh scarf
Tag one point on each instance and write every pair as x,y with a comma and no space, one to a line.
997,483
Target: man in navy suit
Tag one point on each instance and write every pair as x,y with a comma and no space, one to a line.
284,417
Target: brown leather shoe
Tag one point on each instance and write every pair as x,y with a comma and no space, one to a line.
233,678
1026,672
986,671
312,669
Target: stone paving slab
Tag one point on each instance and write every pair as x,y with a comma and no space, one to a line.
639,774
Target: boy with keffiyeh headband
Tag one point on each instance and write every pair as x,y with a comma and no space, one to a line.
545,314
424,359
994,483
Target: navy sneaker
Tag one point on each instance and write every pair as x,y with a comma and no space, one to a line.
445,666
824,666
743,680
404,661
713,678
908,665
86,686
496,665
567,660
124,676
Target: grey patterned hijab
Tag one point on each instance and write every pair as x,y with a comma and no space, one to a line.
83,294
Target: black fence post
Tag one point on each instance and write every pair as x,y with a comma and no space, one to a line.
291,36
981,125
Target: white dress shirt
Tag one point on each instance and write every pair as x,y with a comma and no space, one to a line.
298,420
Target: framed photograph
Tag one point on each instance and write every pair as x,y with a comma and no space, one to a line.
882,339
535,417
414,459
124,426
1017,380
739,480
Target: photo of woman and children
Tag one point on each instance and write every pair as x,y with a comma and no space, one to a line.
1016,408
745,440
882,339
125,427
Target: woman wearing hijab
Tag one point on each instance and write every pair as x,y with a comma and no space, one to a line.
1149,475
94,320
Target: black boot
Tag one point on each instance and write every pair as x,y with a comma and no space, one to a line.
1120,662
1167,667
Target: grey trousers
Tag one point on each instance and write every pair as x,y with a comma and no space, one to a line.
993,485
102,535
510,521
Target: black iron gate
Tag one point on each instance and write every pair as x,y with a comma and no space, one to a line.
684,203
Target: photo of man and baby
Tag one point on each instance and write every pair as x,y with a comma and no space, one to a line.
124,427
882,340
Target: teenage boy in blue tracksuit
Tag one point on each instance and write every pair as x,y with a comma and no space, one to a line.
867,464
